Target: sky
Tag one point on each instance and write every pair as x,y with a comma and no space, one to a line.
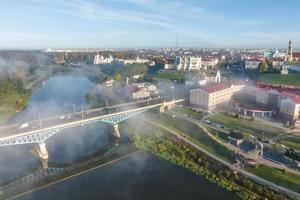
40,24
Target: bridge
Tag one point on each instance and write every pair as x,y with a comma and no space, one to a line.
38,131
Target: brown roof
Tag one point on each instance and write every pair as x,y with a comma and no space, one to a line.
216,87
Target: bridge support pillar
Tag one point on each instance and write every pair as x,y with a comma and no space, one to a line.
43,154
115,130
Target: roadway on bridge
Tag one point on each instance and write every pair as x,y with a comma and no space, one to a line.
31,126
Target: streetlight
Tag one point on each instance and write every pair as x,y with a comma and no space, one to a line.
172,88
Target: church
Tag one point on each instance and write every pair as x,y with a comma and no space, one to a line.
292,56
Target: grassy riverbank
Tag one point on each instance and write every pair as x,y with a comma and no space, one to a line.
13,97
257,128
280,177
168,147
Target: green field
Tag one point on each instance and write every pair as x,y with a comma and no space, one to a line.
272,78
196,135
293,143
191,113
285,179
170,75
257,128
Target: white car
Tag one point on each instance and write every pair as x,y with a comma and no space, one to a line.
25,125
62,117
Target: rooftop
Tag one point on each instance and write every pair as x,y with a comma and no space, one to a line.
215,87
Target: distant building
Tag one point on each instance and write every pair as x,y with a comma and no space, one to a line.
109,83
138,76
185,63
252,63
292,56
99,59
209,62
137,60
138,93
284,71
278,63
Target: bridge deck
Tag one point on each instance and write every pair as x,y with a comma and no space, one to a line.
77,118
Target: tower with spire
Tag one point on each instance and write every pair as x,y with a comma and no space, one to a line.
290,52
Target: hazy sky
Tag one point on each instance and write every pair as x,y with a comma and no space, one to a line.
37,24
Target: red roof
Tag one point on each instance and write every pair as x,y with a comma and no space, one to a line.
296,100
284,90
253,59
216,87
296,54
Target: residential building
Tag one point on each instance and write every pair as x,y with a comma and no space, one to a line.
185,63
278,63
99,59
188,63
136,60
140,93
252,63
209,62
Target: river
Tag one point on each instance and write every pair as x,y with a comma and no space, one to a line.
139,176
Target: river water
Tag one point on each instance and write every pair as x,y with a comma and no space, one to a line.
137,177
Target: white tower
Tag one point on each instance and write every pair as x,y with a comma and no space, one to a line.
218,77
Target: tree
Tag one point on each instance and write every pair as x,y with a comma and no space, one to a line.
117,77
263,66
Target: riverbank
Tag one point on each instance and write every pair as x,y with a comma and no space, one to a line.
13,98
168,147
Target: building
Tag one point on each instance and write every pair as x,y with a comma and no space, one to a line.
185,63
278,63
188,63
99,59
210,96
252,63
136,60
209,62
292,56
140,93
290,108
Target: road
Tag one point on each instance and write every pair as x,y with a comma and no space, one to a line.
32,126
253,177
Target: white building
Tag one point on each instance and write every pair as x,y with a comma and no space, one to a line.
209,62
185,63
278,63
137,60
252,63
99,59
290,107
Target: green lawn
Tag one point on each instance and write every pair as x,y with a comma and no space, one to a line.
285,179
257,128
192,113
196,135
170,75
293,143
275,78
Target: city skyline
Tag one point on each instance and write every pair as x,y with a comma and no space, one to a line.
148,24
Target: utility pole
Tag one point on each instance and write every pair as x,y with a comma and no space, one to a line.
82,114
74,108
40,122
34,117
